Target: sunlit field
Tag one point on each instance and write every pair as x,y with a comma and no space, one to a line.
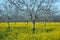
22,31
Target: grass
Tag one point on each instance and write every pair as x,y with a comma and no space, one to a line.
24,32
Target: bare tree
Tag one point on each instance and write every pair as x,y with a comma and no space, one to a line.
7,12
49,12
31,9
0,14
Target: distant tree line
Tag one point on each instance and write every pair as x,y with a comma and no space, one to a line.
21,19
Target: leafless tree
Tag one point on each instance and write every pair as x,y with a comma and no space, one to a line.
31,9
7,12
49,12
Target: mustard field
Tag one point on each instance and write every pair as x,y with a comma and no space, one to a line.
37,24
22,31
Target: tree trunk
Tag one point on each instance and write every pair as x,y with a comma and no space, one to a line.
44,22
27,23
15,23
49,21
33,27
8,25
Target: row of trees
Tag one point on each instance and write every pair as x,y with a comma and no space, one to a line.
30,10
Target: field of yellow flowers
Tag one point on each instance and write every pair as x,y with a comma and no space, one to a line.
22,31
38,24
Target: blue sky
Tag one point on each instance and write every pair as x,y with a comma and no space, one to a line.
57,3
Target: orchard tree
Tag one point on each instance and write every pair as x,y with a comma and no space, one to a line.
31,9
8,10
49,11
0,15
